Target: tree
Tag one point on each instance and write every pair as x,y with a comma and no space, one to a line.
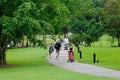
19,18
6,10
88,18
16,23
112,8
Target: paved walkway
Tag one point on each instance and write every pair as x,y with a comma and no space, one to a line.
80,67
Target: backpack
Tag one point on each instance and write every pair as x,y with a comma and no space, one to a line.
56,46
51,48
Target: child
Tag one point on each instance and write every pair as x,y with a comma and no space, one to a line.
51,49
70,54
70,48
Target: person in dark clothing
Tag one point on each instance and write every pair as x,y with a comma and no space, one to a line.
57,47
51,49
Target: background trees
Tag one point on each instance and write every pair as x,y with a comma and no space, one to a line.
88,19
112,8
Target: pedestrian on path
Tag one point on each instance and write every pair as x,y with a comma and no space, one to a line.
66,42
51,49
57,47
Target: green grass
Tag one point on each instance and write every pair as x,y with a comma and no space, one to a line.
105,41
108,57
32,65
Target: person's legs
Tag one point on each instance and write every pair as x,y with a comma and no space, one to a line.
57,53
50,52
50,56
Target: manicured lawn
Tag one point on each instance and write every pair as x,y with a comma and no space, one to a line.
108,57
105,41
31,64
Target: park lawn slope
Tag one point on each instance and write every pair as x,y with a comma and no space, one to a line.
31,64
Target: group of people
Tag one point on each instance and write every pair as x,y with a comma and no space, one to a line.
57,47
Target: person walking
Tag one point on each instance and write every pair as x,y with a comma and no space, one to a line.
57,47
51,49
66,42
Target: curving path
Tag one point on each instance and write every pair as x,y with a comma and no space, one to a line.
80,67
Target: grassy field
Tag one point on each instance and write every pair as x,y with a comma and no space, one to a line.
105,41
108,57
31,64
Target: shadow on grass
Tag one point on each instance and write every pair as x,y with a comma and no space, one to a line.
9,66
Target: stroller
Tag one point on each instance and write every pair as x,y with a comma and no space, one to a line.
70,56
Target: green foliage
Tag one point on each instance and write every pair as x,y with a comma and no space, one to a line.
32,17
47,27
88,20
75,39
112,8
6,21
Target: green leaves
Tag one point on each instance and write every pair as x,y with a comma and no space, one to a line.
112,9
6,24
26,9
32,17
87,19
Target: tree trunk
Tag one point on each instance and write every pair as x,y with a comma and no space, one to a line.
44,39
118,40
92,44
78,48
65,35
3,58
23,42
3,47
27,43
87,44
59,36
112,42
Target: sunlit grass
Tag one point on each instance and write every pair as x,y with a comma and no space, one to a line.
105,41
108,56
32,65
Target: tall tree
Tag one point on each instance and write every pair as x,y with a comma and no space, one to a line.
16,21
88,19
112,7
6,10
19,18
